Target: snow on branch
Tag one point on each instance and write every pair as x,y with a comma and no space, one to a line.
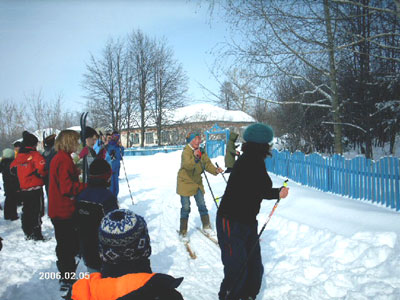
346,124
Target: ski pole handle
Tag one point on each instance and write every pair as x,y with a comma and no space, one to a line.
221,173
285,183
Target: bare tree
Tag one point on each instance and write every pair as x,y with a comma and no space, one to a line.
287,39
12,123
169,86
103,82
227,96
141,56
36,109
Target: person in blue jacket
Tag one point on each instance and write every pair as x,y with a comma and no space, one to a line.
92,204
116,151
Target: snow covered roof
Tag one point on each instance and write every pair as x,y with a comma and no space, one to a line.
207,112
75,128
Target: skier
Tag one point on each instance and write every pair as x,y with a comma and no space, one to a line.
30,168
91,205
194,161
116,152
231,152
248,184
48,154
11,186
64,186
126,272
88,151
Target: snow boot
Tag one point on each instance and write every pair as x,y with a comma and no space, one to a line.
183,227
205,219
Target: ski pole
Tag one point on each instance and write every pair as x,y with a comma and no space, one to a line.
221,173
83,139
127,181
209,186
285,184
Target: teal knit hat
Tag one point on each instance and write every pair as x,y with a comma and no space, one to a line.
191,135
258,133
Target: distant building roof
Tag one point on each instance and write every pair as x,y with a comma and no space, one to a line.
207,112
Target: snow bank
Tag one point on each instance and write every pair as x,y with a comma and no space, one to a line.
316,246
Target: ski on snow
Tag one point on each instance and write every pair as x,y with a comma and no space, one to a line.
210,237
188,248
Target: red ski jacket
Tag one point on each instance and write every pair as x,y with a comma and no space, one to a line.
30,166
64,185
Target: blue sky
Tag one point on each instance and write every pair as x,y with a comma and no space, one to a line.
45,44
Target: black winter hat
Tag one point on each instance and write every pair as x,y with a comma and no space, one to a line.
17,144
29,140
100,169
49,141
89,132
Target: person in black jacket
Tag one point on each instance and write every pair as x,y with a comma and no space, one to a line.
248,184
11,186
48,154
93,203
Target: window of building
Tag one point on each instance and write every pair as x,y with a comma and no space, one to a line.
149,138
165,137
134,138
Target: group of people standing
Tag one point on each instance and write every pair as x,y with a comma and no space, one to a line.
236,221
114,243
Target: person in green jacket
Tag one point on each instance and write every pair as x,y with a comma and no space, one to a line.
231,152
194,161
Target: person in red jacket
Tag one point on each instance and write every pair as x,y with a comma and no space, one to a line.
64,186
30,168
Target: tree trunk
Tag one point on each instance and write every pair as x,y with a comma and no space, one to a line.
337,127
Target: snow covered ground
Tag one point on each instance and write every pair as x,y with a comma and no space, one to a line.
316,246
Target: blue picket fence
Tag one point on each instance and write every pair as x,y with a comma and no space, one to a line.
215,148
138,151
358,178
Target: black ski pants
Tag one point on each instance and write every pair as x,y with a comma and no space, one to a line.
67,245
10,202
236,241
32,211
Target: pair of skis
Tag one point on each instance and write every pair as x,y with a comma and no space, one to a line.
189,249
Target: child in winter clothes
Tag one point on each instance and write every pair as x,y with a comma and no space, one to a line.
231,153
88,153
248,184
48,154
10,184
30,166
115,151
126,272
91,205
194,162
64,187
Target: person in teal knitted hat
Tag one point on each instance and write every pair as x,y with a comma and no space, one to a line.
258,133
248,185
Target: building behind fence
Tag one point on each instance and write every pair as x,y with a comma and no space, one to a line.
358,178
